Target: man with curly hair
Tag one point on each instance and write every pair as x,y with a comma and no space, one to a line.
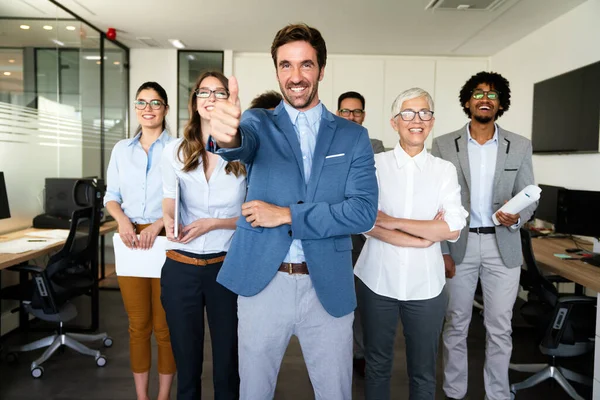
493,165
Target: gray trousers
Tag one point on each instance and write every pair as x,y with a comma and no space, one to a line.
500,286
422,322
289,306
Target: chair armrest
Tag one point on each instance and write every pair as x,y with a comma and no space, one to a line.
576,300
27,268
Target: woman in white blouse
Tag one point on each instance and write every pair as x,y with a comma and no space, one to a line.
211,195
401,269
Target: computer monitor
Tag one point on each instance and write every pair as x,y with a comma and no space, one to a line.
4,209
547,208
578,213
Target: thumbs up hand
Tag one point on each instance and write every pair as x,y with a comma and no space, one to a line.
225,118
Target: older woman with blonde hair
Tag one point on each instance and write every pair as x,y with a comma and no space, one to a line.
401,269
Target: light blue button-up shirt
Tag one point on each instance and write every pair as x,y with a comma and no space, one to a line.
482,163
307,136
134,178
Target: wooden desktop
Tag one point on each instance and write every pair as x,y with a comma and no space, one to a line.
577,271
9,260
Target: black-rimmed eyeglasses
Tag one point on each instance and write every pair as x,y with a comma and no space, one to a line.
220,94
409,115
344,112
142,104
478,94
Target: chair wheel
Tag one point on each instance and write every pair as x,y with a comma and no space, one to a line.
37,372
101,361
12,358
108,342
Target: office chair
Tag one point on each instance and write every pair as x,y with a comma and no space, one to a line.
67,275
565,325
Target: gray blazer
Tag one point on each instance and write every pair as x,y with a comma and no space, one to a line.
514,171
377,146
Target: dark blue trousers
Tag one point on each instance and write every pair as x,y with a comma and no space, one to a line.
187,290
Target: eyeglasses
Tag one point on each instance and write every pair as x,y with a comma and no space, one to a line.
220,94
344,112
154,104
409,115
491,94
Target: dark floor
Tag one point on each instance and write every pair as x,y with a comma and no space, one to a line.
70,376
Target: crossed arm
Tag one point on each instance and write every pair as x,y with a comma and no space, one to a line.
405,232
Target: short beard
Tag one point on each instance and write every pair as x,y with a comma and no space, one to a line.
483,120
309,99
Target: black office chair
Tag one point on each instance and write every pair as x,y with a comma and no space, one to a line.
47,296
565,324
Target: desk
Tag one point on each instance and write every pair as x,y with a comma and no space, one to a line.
9,260
576,271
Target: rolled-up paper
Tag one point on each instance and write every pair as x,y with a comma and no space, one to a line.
523,199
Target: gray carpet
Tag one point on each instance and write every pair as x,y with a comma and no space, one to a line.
70,376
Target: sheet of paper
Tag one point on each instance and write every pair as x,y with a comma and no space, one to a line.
24,244
51,234
140,263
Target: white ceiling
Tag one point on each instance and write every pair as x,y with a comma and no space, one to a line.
395,27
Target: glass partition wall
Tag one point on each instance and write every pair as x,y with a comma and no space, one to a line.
63,105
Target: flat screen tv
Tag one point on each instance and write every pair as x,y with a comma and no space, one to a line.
566,112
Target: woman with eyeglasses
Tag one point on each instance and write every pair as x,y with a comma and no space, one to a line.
133,197
401,270
211,193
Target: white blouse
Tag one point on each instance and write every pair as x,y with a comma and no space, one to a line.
413,188
221,197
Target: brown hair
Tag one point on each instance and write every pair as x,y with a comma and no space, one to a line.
300,32
191,149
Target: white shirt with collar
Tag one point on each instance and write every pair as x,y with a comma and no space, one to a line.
413,188
221,197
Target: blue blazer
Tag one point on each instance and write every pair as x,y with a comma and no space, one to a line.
340,199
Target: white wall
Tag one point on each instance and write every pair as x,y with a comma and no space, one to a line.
379,79
158,65
569,42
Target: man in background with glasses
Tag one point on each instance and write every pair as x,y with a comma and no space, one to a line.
351,106
493,165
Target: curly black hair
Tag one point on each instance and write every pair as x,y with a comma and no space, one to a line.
495,81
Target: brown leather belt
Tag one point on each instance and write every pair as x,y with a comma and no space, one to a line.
140,227
292,268
173,255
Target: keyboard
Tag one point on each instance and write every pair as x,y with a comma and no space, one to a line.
594,260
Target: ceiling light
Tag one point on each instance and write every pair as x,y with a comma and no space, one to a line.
98,62
48,27
116,63
7,73
177,43
24,27
71,28
94,58
58,42
11,61
191,57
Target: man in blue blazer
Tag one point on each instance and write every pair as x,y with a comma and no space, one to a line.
312,183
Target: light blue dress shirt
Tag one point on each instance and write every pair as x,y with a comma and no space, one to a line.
482,163
134,178
306,124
